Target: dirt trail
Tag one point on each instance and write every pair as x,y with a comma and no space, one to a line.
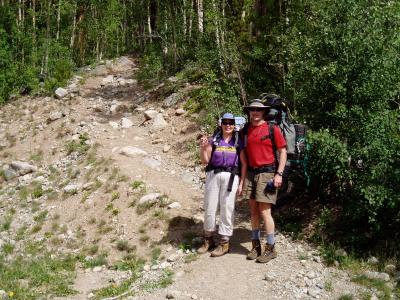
297,273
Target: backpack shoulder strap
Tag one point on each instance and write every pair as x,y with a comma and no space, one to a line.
272,137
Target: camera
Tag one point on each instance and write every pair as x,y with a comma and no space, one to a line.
270,187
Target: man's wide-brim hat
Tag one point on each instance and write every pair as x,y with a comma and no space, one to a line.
256,104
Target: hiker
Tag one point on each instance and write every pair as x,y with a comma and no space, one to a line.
221,153
263,178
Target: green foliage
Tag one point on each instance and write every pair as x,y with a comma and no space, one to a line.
343,74
45,276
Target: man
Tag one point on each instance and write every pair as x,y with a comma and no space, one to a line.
264,177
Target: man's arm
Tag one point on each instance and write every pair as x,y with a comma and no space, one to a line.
282,162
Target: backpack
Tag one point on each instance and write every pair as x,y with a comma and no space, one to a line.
216,138
294,133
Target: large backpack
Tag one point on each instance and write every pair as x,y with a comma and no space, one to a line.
294,133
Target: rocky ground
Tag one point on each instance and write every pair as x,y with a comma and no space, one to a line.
109,173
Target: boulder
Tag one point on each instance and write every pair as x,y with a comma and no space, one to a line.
149,198
159,122
132,151
150,114
22,167
60,93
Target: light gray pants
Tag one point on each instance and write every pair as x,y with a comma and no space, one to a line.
217,195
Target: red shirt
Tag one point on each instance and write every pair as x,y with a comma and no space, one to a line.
259,146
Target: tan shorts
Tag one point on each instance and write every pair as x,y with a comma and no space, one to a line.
254,186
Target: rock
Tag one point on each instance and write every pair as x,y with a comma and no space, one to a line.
88,186
9,173
187,178
313,292
194,297
173,258
97,269
131,81
174,205
373,260
108,79
377,275
173,294
159,122
391,269
340,252
55,116
166,148
126,123
180,111
146,268
23,168
269,277
113,124
152,163
71,189
60,93
100,70
311,275
149,198
150,114
3,294
171,100
165,265
90,296
132,151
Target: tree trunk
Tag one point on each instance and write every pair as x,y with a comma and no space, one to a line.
58,20
149,23
46,58
71,44
200,15
34,50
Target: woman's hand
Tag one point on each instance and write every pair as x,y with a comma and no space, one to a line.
203,141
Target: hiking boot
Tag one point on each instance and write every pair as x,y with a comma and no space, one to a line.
268,254
222,249
208,244
255,250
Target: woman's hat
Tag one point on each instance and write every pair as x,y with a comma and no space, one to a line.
228,116
256,103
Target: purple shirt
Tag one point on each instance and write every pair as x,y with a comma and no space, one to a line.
226,154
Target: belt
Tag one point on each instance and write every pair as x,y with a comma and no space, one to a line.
233,170
263,169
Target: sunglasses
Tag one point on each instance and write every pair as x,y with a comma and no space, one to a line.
227,123
256,109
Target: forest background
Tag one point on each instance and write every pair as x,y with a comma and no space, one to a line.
337,61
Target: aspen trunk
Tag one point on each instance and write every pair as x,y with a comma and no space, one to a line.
149,23
34,51
217,36
71,43
46,59
200,15
184,19
58,20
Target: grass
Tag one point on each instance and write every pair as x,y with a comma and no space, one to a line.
131,263
115,195
99,260
155,255
37,156
142,208
7,248
377,284
165,280
191,257
41,216
123,245
137,184
45,275
78,146
6,224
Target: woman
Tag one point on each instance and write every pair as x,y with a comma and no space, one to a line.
222,154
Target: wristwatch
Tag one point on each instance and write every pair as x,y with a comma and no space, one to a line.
279,173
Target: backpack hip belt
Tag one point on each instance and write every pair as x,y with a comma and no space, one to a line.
233,170
263,169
